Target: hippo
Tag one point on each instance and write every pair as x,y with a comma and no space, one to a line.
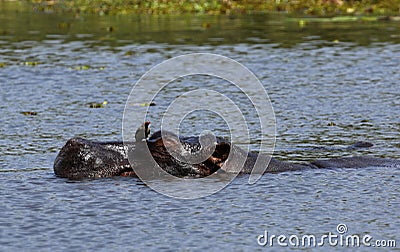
81,158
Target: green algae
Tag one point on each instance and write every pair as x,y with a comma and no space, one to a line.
321,8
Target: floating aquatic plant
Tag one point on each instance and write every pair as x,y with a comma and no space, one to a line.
97,105
144,104
83,67
31,63
29,113
331,124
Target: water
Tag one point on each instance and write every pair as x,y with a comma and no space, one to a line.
312,81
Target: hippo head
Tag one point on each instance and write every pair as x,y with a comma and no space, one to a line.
189,156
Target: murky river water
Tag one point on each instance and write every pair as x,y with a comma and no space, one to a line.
330,84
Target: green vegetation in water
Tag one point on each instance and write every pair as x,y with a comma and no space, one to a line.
331,124
86,67
363,123
145,104
299,7
29,113
97,105
31,63
304,20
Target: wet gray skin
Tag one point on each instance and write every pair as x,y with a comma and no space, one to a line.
81,158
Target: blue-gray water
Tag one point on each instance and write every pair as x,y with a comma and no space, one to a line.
312,81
